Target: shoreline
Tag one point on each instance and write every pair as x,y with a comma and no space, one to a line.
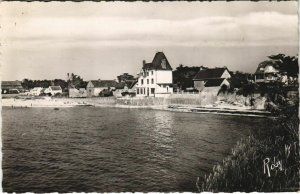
70,102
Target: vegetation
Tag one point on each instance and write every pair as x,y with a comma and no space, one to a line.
285,63
183,76
239,79
125,77
29,84
265,161
106,93
75,81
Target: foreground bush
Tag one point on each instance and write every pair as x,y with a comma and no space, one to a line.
267,161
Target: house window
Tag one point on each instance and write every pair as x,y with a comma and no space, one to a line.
152,81
144,91
137,91
147,81
147,73
167,89
152,90
142,81
164,64
151,72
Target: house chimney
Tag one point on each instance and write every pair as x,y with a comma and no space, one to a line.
144,62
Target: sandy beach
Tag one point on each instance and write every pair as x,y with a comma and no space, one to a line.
43,102
216,108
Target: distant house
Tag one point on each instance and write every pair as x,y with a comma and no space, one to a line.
266,72
212,79
155,78
53,90
11,87
94,87
36,91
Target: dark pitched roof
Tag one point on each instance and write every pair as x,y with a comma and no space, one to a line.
130,85
214,82
11,85
104,83
55,88
210,73
159,62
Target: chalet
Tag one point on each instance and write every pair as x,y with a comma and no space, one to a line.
94,87
36,91
266,72
53,90
212,79
155,79
11,87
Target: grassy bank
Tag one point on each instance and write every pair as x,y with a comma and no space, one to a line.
265,161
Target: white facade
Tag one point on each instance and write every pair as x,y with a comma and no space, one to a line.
226,74
155,83
53,90
36,91
268,74
214,90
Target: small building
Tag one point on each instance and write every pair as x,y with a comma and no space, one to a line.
36,91
11,87
212,78
266,72
126,88
214,85
156,78
77,93
94,87
53,90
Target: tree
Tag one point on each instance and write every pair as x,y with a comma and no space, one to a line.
239,79
62,83
27,84
183,76
124,77
75,81
285,63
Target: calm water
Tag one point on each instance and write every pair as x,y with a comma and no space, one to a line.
89,149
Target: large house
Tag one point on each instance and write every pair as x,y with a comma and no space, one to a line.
155,79
94,87
11,87
211,79
266,72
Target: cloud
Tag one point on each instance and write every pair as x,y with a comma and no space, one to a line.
253,29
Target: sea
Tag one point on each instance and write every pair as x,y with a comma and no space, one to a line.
98,149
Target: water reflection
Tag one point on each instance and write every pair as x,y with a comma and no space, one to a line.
113,150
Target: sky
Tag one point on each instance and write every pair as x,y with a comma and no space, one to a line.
101,40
